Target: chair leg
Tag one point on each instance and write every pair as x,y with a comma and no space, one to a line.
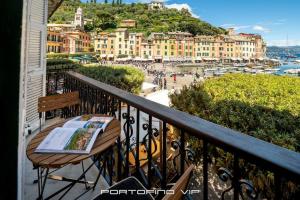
84,177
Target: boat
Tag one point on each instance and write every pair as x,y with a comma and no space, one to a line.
292,71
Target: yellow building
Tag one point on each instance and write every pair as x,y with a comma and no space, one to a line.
54,42
181,46
104,45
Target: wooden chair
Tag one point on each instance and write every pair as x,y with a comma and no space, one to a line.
180,185
132,183
68,100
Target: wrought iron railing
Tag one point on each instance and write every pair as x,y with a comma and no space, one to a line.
97,97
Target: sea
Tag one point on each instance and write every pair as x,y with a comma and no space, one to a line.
288,66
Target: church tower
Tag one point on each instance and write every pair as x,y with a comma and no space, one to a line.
78,21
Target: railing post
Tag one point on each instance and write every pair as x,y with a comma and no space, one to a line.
164,156
182,149
149,151
278,186
137,160
205,170
127,141
236,177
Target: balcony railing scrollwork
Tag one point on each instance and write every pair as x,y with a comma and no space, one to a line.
98,97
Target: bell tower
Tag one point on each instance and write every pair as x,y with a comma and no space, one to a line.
78,20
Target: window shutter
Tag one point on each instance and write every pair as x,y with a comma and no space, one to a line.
36,59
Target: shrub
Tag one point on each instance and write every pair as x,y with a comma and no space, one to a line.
60,64
264,106
123,77
67,55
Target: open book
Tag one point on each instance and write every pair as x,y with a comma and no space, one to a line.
76,136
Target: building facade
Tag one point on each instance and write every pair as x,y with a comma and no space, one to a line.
181,46
69,38
156,5
54,42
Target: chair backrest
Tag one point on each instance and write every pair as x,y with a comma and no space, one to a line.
180,185
59,101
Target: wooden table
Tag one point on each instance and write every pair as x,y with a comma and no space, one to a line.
51,160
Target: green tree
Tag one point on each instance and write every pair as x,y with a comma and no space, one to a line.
105,1
263,106
105,20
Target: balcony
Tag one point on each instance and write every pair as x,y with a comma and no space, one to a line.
145,122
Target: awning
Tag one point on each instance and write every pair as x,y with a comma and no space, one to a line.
166,58
110,55
103,55
198,58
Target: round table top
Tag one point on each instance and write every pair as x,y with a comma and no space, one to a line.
51,160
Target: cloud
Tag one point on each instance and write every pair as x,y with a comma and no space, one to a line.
236,27
261,29
182,5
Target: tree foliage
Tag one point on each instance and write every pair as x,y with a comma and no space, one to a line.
147,20
123,77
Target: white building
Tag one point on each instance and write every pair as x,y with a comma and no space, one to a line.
156,5
78,19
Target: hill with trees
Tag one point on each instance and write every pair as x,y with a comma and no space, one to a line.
107,15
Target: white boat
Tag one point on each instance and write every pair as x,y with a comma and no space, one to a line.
292,71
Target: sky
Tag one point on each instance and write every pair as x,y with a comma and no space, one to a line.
278,21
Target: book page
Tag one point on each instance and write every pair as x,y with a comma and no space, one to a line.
75,124
104,120
69,140
56,139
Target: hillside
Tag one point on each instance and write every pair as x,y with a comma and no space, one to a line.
106,17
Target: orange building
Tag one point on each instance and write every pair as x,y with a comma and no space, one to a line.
77,41
54,42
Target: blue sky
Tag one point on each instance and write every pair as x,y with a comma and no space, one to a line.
276,20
